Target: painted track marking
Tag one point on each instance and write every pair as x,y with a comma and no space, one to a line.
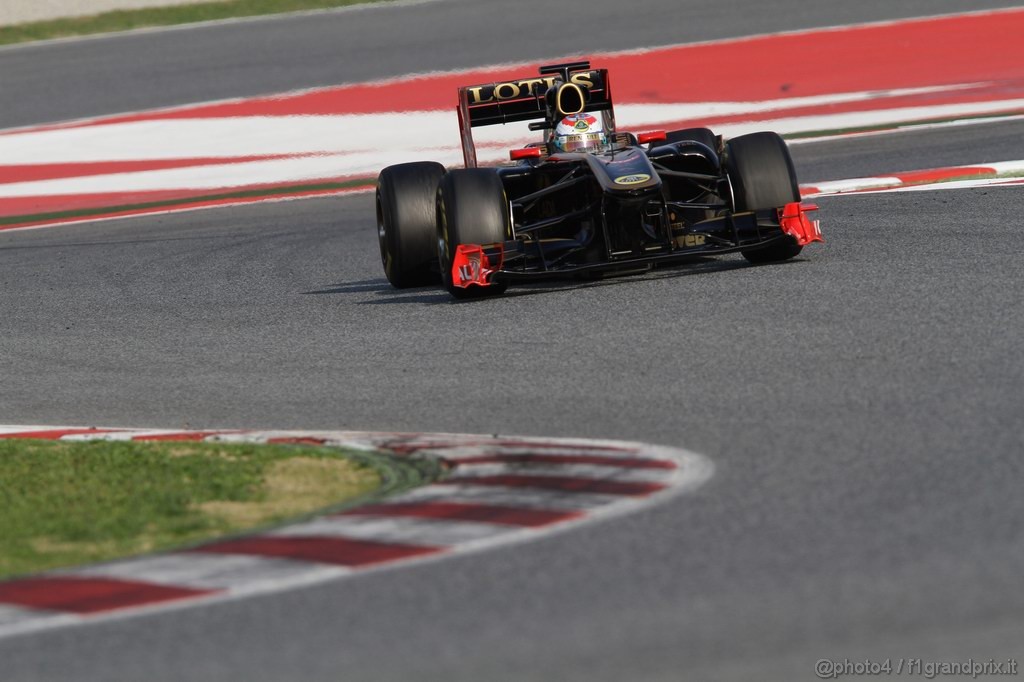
955,177
326,141
501,490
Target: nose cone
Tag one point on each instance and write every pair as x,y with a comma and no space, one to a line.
635,181
627,172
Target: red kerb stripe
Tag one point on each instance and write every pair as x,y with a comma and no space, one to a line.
56,434
303,440
89,595
483,513
562,483
936,174
327,550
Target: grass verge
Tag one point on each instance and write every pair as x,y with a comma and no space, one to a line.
64,504
124,20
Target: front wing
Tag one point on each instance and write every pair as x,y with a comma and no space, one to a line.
486,264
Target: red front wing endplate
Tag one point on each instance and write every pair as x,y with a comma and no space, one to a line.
471,266
795,222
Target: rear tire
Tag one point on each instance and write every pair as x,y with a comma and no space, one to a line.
762,177
471,209
405,222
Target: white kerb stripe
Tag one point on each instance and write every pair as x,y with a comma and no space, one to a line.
200,570
592,471
509,496
404,530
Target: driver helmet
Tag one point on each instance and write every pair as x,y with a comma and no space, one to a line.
579,133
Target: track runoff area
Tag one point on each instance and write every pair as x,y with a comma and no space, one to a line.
807,85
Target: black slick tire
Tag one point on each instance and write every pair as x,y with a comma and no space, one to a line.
471,209
762,177
405,222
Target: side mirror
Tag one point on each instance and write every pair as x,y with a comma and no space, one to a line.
652,136
525,153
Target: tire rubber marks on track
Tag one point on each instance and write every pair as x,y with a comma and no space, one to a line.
499,490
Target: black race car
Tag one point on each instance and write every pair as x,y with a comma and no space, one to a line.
631,203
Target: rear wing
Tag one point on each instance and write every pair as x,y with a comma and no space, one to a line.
524,99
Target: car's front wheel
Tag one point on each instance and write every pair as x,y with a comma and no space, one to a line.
471,209
761,174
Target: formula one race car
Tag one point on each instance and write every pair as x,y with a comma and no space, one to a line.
588,199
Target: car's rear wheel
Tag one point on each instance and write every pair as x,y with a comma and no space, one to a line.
405,222
471,209
761,174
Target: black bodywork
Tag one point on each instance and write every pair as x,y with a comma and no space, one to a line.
622,208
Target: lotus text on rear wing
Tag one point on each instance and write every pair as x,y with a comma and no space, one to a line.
528,87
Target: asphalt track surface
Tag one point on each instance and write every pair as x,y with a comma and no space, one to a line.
861,404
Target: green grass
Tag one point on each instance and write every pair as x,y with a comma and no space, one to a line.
123,20
63,503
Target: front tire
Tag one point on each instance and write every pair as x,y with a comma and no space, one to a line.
762,177
405,222
471,209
